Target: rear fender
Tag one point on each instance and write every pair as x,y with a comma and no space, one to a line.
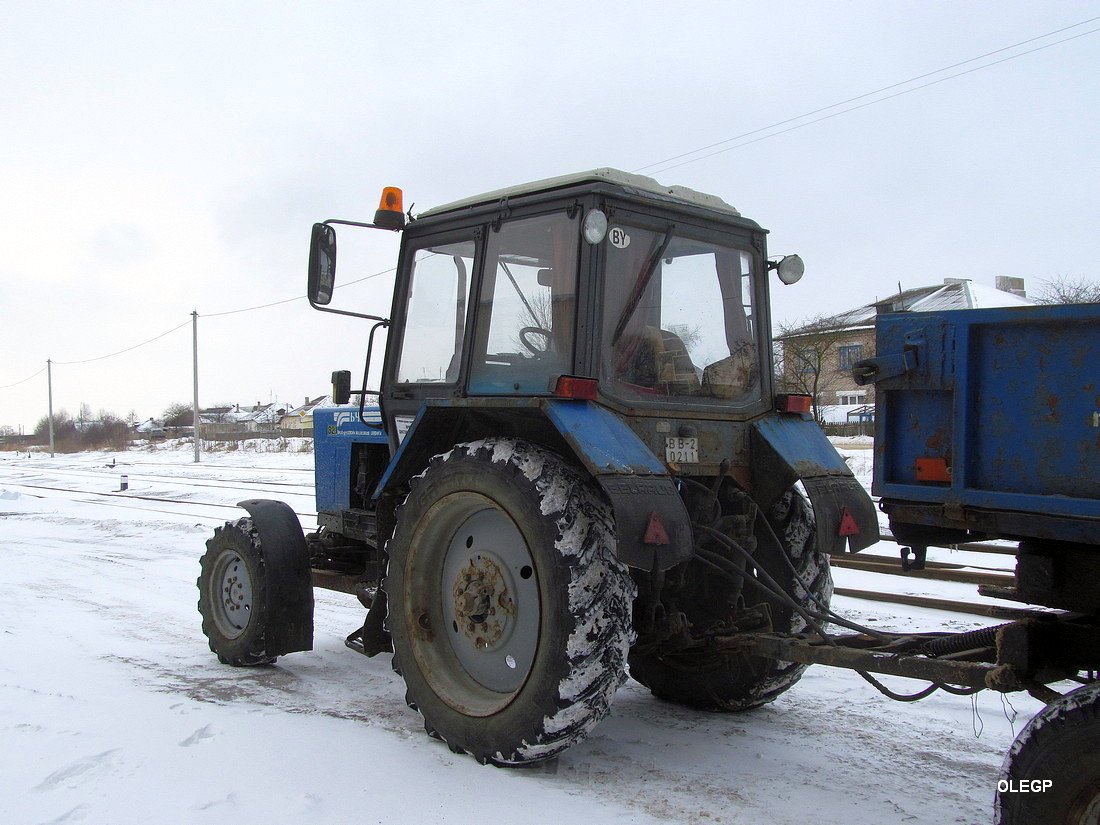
652,527
787,448
289,608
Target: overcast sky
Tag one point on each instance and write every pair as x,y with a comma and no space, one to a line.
160,158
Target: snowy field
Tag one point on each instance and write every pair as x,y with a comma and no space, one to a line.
114,712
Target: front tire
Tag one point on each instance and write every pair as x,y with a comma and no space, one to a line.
233,595
509,613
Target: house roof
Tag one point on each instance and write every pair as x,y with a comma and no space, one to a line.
261,414
309,407
953,293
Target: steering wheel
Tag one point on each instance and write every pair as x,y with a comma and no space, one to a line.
534,350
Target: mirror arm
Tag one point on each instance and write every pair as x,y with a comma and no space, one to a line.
346,312
349,313
359,223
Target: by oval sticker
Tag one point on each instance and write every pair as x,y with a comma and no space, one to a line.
618,237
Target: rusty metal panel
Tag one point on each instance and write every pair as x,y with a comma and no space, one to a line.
1033,404
1007,400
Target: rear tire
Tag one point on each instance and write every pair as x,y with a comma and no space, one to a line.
233,594
509,613
736,682
1061,744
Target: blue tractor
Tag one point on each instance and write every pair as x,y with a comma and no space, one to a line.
577,464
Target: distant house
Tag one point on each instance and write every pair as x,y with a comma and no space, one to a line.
817,358
299,421
260,418
151,429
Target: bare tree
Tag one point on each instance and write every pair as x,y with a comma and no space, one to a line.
106,431
1066,290
178,415
62,422
689,335
807,355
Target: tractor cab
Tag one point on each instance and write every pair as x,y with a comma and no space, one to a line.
650,299
648,302
652,294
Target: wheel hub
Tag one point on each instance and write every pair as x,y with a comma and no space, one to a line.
233,596
488,596
483,602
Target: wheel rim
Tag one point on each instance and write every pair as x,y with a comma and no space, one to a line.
231,595
483,597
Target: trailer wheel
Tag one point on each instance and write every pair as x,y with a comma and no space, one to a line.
509,612
1052,770
736,682
232,595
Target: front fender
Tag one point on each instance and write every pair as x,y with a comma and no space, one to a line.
289,609
787,448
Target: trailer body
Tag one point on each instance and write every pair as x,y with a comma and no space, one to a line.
988,426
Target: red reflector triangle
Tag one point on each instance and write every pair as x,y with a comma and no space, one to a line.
655,532
848,524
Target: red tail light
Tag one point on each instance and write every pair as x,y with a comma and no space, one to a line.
579,389
794,403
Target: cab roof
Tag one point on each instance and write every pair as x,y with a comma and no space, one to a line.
627,180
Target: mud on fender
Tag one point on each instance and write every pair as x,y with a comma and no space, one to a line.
845,514
787,448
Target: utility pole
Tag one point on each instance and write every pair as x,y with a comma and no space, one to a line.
195,397
49,384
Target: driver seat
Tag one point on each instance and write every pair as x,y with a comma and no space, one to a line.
657,359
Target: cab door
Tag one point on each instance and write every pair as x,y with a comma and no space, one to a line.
430,318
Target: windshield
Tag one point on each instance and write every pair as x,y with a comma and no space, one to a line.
678,320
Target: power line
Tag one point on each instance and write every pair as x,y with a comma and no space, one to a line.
375,275
296,297
776,125
251,309
121,351
23,381
185,323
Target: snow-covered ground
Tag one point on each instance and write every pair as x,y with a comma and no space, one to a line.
113,711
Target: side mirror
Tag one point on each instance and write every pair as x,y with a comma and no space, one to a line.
322,264
341,386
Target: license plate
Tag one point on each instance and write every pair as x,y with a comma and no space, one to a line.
682,450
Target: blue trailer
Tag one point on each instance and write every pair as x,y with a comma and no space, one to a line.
987,426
